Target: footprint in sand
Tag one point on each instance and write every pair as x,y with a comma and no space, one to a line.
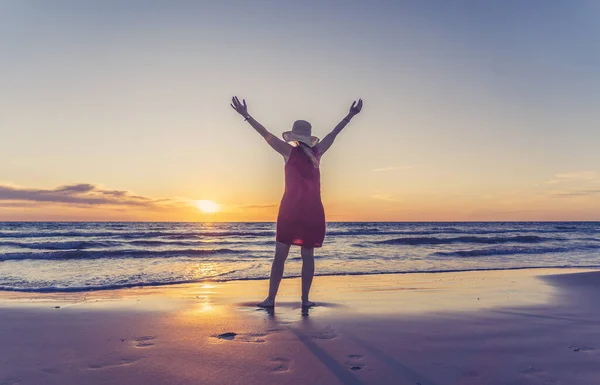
121,362
280,364
531,370
257,337
581,348
143,342
537,373
253,337
227,336
354,362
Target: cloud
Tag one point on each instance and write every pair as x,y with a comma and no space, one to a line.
575,193
18,205
264,206
574,176
8,183
579,175
79,194
392,168
384,197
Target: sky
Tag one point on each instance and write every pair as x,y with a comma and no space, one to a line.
473,111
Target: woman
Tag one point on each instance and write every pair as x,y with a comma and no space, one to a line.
301,219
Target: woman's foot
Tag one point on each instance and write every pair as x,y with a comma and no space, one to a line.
269,302
307,303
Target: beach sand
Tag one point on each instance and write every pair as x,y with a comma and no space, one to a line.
539,326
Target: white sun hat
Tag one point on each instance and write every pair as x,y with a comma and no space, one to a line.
301,132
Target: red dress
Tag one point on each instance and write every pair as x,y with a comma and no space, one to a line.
301,219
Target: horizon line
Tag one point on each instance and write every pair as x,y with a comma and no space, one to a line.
490,221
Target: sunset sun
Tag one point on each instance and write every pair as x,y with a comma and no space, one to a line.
207,206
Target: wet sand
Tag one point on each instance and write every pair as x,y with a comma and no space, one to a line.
536,326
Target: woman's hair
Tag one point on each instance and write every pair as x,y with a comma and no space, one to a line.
309,152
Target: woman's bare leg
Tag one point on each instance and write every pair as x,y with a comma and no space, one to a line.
308,271
281,254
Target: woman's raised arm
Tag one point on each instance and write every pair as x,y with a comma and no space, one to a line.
277,144
327,141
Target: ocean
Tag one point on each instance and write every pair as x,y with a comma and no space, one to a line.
76,256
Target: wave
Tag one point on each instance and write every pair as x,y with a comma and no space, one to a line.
115,286
454,231
415,241
82,254
182,234
137,235
76,289
81,245
50,234
512,251
192,243
199,234
65,245
563,228
259,233
221,278
388,232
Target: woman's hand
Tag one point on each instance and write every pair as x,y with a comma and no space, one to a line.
355,108
327,141
277,144
240,108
